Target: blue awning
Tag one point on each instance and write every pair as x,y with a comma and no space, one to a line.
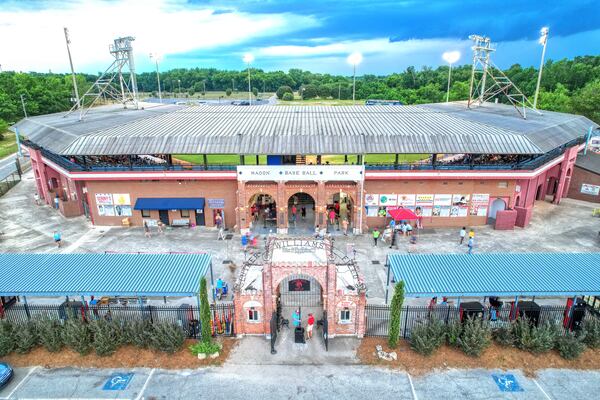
514,274
169,203
102,274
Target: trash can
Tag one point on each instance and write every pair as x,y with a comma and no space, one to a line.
530,310
299,335
472,309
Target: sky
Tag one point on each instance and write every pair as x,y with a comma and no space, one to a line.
315,35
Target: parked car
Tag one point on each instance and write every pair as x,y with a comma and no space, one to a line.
6,374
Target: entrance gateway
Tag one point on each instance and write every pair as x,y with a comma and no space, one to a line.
300,273
295,199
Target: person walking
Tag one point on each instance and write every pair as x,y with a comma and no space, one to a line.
160,226
303,212
332,217
57,239
296,319
36,197
376,235
471,234
310,326
470,245
294,214
462,233
56,201
147,230
345,226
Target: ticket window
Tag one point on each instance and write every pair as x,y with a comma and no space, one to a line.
215,212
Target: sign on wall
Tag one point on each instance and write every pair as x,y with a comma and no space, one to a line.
122,199
479,204
371,200
300,173
114,204
388,200
592,190
460,205
406,200
216,203
299,285
441,205
104,198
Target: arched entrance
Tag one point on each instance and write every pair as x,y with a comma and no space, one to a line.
497,205
343,206
301,214
263,213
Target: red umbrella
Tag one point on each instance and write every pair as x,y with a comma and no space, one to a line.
400,214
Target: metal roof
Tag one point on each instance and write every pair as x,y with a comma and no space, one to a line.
515,274
102,274
589,162
226,129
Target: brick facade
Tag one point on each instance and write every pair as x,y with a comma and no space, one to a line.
579,177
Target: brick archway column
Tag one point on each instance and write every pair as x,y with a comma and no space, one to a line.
330,299
281,208
241,211
269,298
320,204
563,181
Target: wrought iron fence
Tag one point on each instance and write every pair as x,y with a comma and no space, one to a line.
378,316
185,315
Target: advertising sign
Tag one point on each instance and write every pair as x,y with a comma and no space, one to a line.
424,200
388,199
406,200
590,189
123,211
216,203
300,172
460,205
104,198
371,200
479,203
121,199
299,285
106,210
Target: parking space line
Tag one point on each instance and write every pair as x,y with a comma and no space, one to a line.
145,384
20,383
412,387
542,390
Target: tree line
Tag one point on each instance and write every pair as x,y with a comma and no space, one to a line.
568,85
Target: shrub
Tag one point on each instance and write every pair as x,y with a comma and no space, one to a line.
288,96
570,346
228,92
591,329
49,333
205,313
504,335
107,336
7,338
139,333
282,90
204,348
453,331
167,337
475,337
521,330
424,339
395,311
541,338
77,335
26,337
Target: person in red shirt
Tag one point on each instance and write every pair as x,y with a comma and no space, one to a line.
311,324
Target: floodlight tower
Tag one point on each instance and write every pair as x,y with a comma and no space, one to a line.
500,84
112,83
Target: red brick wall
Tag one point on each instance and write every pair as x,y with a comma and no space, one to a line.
579,177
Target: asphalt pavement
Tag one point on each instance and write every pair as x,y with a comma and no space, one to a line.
7,166
329,382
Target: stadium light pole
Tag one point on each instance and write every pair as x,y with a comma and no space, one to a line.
543,40
248,58
354,59
157,75
450,57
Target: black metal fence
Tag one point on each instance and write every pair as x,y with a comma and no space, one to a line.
185,315
8,182
378,316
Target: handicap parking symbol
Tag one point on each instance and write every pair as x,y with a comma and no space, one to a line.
118,382
507,383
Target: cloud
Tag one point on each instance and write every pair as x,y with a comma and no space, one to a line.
164,26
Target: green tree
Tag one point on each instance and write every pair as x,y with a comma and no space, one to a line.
255,91
558,100
282,90
395,311
228,92
586,101
205,312
287,96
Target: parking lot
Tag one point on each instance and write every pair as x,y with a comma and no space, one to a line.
302,382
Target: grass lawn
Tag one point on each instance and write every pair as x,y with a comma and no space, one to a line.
214,95
320,102
232,159
8,146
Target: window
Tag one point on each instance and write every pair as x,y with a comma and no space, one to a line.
185,213
253,315
503,185
345,316
145,213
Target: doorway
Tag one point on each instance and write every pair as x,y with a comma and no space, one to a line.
163,215
301,214
200,221
341,203
497,205
263,213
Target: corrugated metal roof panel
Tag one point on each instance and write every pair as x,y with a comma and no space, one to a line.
214,129
527,274
102,274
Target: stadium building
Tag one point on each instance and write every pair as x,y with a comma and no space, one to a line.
257,166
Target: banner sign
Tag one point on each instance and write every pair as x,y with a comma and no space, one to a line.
479,203
104,198
299,285
121,199
460,205
216,203
406,200
590,189
388,199
371,200
300,173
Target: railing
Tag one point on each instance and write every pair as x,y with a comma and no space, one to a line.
378,317
185,315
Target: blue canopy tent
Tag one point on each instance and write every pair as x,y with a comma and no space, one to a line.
132,275
480,275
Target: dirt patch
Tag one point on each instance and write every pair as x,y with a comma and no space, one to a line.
494,357
125,357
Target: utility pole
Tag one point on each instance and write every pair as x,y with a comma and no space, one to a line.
23,105
157,76
68,40
543,41
339,91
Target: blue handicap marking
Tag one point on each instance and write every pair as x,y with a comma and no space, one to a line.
118,382
507,383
